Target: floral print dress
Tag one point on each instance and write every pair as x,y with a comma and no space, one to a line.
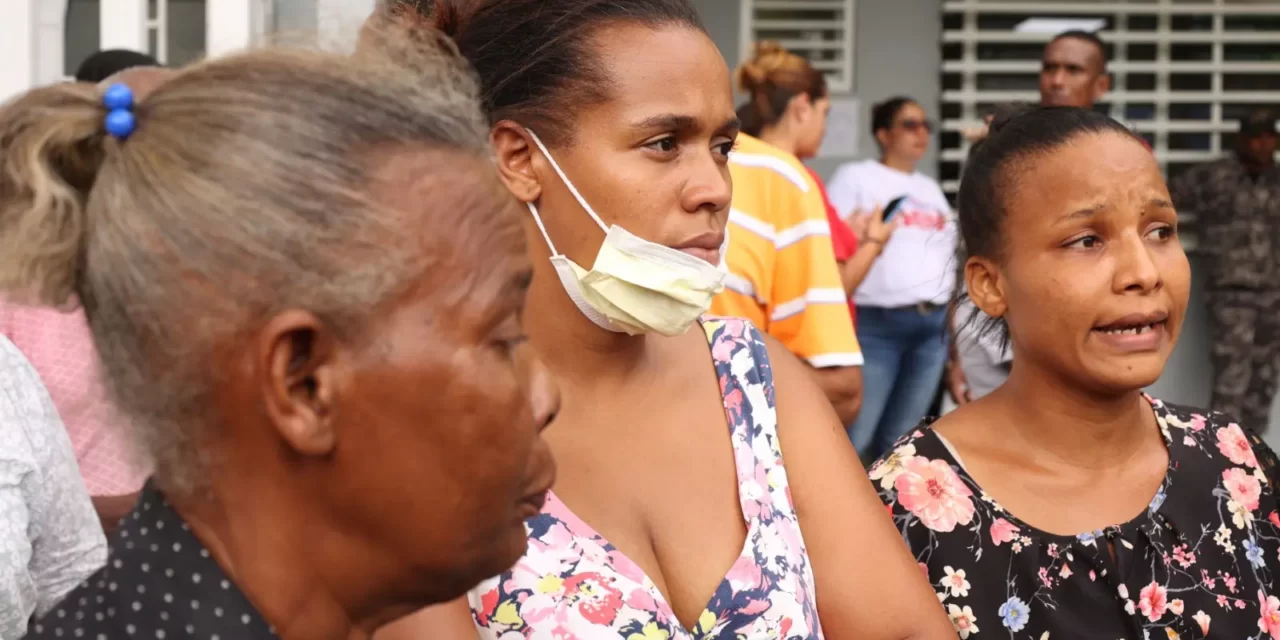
572,583
1199,562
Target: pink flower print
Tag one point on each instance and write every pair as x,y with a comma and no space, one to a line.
1153,601
1203,620
1003,531
1184,558
1274,518
932,492
1065,573
597,601
1269,621
1223,602
1197,423
1234,445
744,575
1044,577
641,600
1230,582
1053,550
1093,576
1176,607
488,604
1208,581
1244,488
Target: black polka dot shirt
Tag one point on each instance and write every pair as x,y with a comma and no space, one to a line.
159,583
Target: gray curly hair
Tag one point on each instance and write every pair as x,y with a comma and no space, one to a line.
242,192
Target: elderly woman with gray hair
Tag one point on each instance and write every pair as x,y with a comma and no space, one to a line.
304,281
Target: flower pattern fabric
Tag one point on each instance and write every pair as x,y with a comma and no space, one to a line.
572,583
1199,562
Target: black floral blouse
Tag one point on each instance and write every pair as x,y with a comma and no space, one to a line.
1200,562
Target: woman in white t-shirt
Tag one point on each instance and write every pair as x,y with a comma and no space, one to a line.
902,304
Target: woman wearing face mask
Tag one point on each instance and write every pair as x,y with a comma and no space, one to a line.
787,107
902,304
704,488
1066,503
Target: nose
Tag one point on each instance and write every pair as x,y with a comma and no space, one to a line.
544,394
1057,78
707,186
1136,270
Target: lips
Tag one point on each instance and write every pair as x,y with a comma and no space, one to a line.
706,255
1134,324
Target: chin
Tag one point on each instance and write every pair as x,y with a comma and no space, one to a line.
506,550
1132,374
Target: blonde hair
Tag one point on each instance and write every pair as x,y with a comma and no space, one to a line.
242,192
771,78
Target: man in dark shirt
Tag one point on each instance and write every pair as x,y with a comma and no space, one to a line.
1236,201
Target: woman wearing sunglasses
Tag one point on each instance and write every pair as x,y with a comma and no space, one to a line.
902,303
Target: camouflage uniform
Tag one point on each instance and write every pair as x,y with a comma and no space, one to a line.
1238,215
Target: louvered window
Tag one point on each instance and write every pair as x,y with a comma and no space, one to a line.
1182,70
821,30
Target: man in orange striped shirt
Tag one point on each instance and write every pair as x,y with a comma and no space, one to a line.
782,269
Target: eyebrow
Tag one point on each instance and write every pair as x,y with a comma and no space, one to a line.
680,122
1089,212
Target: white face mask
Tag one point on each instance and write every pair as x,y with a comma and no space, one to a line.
635,286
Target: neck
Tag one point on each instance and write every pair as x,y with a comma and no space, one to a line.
1062,421
1254,165
780,137
895,162
292,571
573,348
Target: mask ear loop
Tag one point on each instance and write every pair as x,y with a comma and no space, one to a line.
565,179
545,236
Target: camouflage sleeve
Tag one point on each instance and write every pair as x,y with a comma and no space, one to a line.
1186,192
1265,456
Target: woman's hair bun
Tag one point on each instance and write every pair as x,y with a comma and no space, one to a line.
753,74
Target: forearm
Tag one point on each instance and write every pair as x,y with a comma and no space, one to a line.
843,388
854,270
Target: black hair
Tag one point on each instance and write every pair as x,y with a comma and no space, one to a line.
884,113
104,64
1087,36
1018,134
534,58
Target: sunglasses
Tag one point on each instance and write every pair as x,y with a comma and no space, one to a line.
916,125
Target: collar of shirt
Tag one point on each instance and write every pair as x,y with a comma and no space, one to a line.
159,582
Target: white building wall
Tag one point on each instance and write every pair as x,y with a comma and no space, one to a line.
123,24
17,46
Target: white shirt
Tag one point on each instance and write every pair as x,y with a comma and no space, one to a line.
918,263
50,536
984,359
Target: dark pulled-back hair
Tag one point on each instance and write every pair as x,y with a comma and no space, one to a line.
771,78
1018,134
534,57
884,113
1085,36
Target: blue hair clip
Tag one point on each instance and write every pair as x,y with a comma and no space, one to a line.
120,121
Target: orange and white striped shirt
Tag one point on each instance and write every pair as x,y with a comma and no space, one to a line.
783,275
